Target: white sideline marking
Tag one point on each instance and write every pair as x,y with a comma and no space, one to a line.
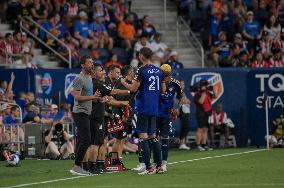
190,160
217,156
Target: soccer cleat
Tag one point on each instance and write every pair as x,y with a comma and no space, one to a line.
160,170
164,165
77,170
200,148
208,148
184,147
150,171
140,167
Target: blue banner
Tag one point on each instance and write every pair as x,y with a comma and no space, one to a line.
269,83
53,86
231,87
241,91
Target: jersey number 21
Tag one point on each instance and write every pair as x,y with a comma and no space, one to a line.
155,84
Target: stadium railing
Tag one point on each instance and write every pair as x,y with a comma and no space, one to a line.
30,20
182,28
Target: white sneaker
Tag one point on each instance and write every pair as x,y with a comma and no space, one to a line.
142,168
147,172
184,147
200,148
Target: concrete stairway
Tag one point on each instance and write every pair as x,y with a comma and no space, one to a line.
39,59
155,9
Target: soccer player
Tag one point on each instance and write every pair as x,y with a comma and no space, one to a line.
166,111
83,97
148,84
97,150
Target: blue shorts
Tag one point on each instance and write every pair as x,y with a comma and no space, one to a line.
146,124
163,127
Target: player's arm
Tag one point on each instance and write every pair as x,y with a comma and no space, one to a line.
119,92
132,87
78,97
114,102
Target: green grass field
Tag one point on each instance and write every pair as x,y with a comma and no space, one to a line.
203,169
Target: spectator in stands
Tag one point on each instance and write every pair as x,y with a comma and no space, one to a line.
215,20
261,14
55,114
239,11
82,31
147,28
23,9
60,26
100,9
242,60
117,12
227,22
58,142
142,42
127,32
3,86
6,49
280,12
160,49
222,51
273,28
251,30
173,61
21,100
259,62
27,51
74,46
113,61
33,115
50,26
265,44
30,97
217,123
17,47
70,9
100,32
38,11
277,60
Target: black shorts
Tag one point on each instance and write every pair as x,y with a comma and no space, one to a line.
97,132
202,119
163,127
120,134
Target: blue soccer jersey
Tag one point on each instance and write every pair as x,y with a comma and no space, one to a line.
167,99
147,98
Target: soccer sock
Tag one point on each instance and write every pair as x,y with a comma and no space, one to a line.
145,152
100,163
92,165
157,150
85,166
140,158
165,148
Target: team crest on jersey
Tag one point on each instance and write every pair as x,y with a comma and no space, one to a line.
214,79
69,78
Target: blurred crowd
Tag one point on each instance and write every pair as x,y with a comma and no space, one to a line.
105,29
247,33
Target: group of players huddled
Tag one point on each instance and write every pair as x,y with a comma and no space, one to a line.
106,104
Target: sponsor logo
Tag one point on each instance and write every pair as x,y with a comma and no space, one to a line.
214,79
69,78
43,84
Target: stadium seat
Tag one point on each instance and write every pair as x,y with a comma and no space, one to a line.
122,55
104,55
